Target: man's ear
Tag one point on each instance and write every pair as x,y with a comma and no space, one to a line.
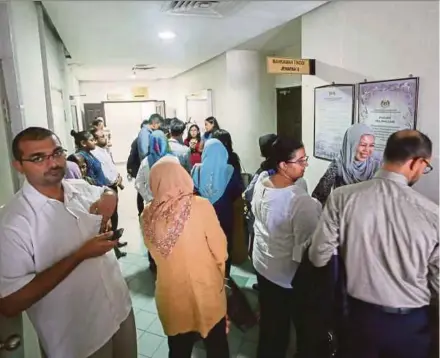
18,166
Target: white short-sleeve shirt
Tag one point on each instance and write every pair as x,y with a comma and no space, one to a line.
83,312
285,220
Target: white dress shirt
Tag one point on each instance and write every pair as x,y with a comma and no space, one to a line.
142,181
85,310
285,220
108,166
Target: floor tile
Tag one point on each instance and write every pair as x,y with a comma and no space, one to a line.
247,350
151,306
149,343
139,300
139,333
144,319
234,344
156,328
240,280
251,335
162,351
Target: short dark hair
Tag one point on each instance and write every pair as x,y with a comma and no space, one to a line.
97,122
80,136
283,149
31,133
177,127
407,144
155,118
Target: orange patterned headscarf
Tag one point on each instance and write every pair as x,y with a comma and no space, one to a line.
165,218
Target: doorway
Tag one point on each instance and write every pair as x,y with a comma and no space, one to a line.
91,111
289,112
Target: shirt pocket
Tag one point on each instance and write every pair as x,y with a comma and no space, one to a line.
89,224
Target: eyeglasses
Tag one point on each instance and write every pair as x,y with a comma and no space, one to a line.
302,161
40,159
429,168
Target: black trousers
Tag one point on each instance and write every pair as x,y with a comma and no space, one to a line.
275,318
216,343
115,220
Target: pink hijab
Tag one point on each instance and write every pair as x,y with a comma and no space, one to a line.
165,218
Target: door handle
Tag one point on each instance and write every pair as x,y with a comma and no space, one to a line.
11,343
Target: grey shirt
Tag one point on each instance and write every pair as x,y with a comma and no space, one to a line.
182,152
388,237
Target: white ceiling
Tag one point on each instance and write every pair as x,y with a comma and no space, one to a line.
106,38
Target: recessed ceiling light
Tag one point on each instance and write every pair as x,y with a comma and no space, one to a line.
167,35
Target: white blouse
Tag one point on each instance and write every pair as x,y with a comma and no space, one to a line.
285,220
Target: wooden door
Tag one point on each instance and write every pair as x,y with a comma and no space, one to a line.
92,110
289,112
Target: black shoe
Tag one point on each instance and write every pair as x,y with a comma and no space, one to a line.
121,254
153,267
122,244
256,287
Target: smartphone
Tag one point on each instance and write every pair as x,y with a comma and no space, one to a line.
117,235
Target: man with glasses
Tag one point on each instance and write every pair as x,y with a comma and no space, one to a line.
53,261
388,239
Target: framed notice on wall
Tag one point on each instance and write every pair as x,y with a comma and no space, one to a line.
388,106
334,113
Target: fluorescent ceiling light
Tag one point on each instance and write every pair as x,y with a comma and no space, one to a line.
167,35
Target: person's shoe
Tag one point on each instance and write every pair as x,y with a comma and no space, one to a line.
256,287
122,254
122,244
153,268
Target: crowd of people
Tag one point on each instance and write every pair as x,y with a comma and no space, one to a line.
354,266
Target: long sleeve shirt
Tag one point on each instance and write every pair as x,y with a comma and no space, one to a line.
144,141
387,235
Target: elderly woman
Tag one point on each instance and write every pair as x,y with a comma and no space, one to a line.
355,163
183,234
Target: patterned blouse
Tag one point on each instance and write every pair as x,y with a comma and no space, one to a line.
330,180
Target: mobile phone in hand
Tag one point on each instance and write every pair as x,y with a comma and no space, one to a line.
117,235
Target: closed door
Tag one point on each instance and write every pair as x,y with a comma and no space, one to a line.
91,111
289,112
11,329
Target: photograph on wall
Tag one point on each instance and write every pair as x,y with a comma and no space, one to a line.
334,113
388,106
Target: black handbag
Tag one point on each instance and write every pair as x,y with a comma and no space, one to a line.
238,307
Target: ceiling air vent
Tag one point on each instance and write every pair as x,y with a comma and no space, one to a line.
142,67
200,8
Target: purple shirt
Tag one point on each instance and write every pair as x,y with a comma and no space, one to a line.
72,171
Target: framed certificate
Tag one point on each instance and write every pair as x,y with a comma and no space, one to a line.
388,106
334,113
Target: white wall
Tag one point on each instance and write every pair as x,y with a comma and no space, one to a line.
376,40
27,54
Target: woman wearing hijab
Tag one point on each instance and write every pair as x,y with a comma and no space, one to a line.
216,180
355,163
183,234
158,146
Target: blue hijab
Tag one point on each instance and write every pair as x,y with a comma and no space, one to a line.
158,147
212,176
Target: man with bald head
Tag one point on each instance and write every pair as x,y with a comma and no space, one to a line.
387,235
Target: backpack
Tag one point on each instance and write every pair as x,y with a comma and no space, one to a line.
133,161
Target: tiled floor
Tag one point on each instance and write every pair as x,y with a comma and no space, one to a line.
151,339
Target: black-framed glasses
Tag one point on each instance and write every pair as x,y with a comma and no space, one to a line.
41,158
302,161
429,168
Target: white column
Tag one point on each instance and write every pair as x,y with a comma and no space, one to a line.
251,110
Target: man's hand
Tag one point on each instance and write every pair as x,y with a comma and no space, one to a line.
106,225
106,205
96,246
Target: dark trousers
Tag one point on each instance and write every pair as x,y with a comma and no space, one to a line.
228,263
140,204
115,220
275,318
373,333
216,343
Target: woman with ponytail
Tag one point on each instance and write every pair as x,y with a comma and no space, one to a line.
285,218
85,143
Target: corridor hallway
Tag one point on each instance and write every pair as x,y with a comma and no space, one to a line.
151,338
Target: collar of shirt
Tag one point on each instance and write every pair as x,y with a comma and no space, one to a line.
396,177
37,200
